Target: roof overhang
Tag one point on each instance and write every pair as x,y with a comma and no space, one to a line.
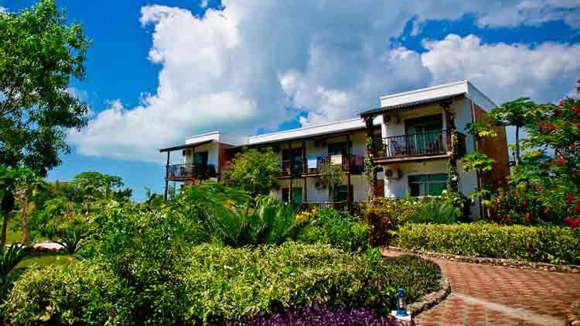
184,146
411,105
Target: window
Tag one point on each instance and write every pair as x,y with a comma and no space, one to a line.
337,149
296,195
340,193
427,184
200,159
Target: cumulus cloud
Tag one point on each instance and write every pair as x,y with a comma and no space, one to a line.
532,12
545,72
256,63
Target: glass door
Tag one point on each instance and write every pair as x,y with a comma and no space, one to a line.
424,135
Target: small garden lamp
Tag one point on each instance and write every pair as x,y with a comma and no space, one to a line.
401,304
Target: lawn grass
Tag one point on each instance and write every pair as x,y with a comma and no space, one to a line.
45,259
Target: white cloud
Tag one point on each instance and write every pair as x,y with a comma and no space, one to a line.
531,12
240,68
545,72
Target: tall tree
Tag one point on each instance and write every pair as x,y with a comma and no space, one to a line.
39,55
517,113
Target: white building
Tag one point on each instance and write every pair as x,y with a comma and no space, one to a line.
410,134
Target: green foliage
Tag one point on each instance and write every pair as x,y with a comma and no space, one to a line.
386,214
548,244
231,283
338,229
544,187
220,284
254,171
230,217
92,186
477,161
9,259
481,130
331,175
39,54
146,249
79,293
435,211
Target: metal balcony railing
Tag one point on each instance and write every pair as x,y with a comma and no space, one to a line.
414,145
348,163
180,172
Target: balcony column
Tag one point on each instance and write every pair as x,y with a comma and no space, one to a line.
348,166
166,176
453,173
291,190
304,172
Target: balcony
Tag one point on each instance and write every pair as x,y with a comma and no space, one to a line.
349,163
416,146
190,172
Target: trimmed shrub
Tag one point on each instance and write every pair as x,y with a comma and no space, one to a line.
232,284
550,244
338,229
79,293
220,285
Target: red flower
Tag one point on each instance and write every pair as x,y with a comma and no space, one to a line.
572,222
576,109
577,207
524,203
569,197
551,127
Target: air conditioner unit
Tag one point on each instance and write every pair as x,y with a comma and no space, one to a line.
393,174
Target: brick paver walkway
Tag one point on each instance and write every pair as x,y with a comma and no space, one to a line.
495,295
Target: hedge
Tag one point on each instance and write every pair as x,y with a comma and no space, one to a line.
549,244
222,285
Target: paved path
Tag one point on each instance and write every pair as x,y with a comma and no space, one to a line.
495,295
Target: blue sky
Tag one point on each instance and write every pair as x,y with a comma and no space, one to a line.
284,65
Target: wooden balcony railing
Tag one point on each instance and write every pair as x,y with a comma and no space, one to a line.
417,145
183,172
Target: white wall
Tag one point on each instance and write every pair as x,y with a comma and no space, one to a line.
400,187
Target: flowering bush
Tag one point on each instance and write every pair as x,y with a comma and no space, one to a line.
545,186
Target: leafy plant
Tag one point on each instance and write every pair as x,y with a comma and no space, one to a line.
229,216
338,229
80,293
254,171
548,244
436,212
9,259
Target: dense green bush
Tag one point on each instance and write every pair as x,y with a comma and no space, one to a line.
338,229
79,293
226,283
549,244
220,284
435,212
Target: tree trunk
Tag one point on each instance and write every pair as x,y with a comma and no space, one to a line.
7,207
25,213
517,145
